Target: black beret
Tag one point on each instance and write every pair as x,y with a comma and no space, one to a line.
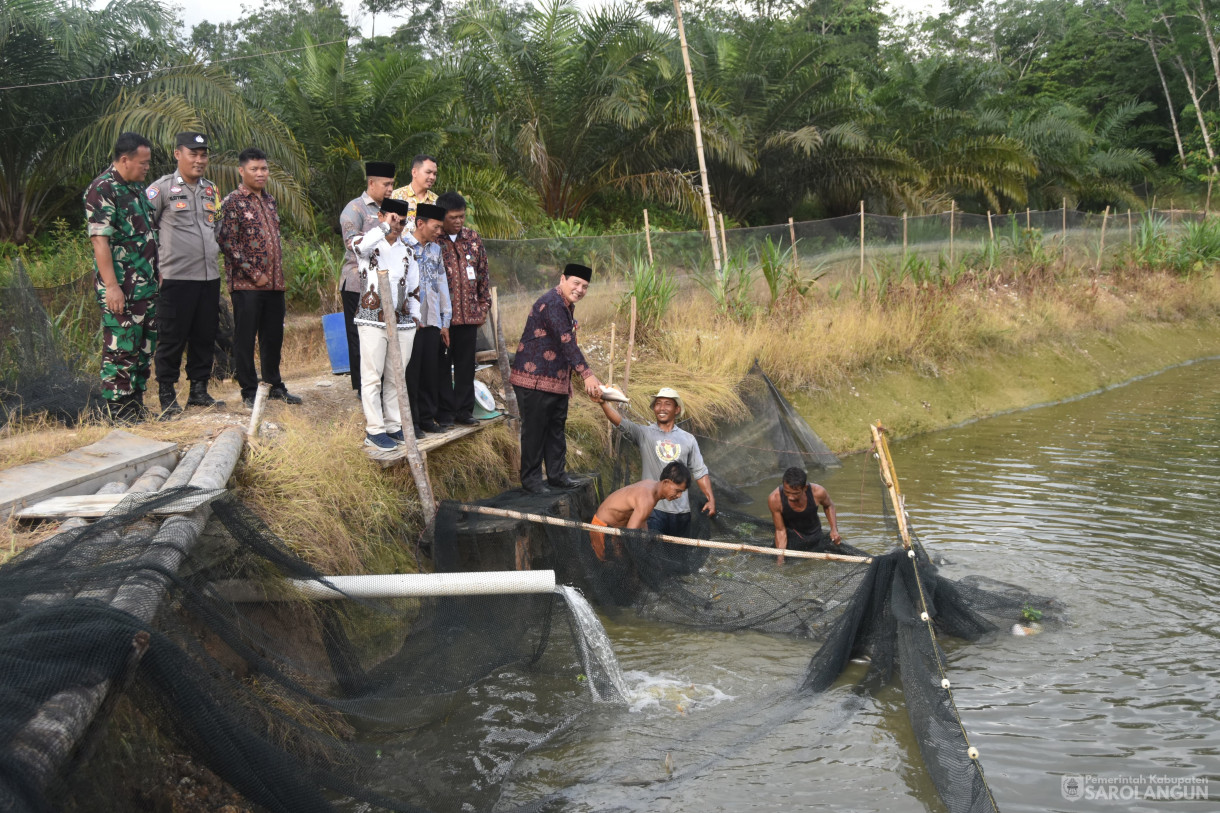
393,206
577,270
429,211
379,169
195,141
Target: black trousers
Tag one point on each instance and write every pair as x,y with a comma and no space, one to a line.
351,303
544,416
188,315
457,373
423,375
257,315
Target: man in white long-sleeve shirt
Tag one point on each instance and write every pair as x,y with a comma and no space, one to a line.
382,247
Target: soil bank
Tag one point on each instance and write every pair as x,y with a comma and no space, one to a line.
910,402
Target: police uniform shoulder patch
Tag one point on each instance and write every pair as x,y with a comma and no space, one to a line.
152,192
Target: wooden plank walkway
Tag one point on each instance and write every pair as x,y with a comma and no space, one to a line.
389,457
118,456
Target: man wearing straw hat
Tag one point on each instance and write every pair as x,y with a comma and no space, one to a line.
661,443
542,378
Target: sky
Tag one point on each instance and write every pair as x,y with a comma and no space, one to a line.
218,11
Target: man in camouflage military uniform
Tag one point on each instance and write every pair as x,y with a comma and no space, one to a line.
120,219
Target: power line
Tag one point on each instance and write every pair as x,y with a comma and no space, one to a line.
150,71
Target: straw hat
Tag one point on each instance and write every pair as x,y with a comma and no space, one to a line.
671,393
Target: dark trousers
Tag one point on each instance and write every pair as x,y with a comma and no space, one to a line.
188,314
544,415
423,375
351,303
257,315
457,373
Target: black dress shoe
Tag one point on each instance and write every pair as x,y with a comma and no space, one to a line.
467,421
430,426
420,434
282,394
563,481
535,488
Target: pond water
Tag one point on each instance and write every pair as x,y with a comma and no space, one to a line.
1106,503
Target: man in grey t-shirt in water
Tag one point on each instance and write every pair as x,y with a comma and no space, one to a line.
661,443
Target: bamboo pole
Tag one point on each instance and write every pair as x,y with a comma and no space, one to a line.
904,239
393,361
1027,218
724,240
648,237
889,478
1130,230
735,547
796,263
510,395
694,112
861,239
630,349
610,363
990,228
1101,248
256,412
952,217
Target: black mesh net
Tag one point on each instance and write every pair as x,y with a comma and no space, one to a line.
399,704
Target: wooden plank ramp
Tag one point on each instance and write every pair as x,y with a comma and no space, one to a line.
388,457
119,456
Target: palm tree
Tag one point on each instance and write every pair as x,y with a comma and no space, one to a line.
568,101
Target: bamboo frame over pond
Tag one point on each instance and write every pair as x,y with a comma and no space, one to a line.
677,540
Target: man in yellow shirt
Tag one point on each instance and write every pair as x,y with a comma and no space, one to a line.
423,176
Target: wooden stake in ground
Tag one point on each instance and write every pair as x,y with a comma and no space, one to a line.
904,239
1027,218
889,478
256,412
1101,248
648,237
393,362
677,540
990,228
724,240
626,371
1064,232
952,217
796,264
694,112
861,239
1130,233
510,395
610,363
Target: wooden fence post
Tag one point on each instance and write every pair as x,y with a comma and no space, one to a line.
1065,231
1101,248
648,236
952,217
861,239
796,263
904,239
724,241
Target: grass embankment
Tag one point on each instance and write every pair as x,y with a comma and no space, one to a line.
921,358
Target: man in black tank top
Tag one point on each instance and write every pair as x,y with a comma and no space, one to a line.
794,508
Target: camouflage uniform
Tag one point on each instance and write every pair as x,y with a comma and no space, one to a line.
122,212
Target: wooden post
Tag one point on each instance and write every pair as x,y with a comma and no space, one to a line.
256,412
393,362
630,351
904,239
862,239
1027,218
796,263
724,240
990,228
952,217
1130,231
610,364
694,112
510,395
1064,231
648,237
1102,246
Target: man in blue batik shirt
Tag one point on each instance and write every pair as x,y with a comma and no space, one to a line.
423,373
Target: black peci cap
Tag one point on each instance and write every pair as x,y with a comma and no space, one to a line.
577,270
393,206
379,169
194,141
429,211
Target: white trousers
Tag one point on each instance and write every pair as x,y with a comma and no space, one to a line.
378,395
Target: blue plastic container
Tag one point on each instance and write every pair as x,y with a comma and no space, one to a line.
336,343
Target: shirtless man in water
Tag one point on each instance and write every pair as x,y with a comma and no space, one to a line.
630,506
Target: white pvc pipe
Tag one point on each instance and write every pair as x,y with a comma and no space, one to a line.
408,585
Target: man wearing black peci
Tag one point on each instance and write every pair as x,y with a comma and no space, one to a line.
360,215
542,378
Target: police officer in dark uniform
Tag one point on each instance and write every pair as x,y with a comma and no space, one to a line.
187,212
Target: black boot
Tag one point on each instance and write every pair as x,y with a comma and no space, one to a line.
169,401
122,411
199,396
141,412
